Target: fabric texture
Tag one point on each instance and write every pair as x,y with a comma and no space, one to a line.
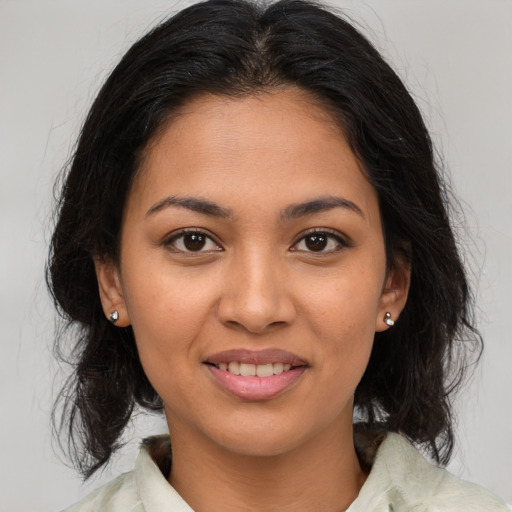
400,480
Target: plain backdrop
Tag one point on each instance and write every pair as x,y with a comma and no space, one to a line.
455,57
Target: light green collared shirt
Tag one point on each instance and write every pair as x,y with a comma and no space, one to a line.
400,480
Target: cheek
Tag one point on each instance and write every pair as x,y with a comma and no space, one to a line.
342,315
166,314
347,302
159,297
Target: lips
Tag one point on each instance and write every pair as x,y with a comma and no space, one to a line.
256,375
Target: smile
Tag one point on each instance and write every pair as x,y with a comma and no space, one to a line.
256,375
252,370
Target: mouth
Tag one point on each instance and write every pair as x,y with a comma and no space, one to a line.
256,375
259,363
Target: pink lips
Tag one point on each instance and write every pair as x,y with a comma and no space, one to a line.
256,388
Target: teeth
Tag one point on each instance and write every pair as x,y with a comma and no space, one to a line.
234,368
264,370
278,368
247,370
250,370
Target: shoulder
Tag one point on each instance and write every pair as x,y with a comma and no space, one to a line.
406,481
118,495
145,489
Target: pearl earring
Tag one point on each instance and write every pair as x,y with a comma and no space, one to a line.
389,320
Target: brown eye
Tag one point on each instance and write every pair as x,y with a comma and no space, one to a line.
192,241
316,242
320,242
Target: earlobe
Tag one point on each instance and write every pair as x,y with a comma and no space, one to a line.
394,296
111,292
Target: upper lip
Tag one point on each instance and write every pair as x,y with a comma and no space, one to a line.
266,356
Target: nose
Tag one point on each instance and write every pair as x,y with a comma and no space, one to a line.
255,296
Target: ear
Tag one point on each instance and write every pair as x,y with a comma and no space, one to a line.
394,293
110,289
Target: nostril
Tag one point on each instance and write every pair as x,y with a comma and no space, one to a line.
255,328
256,314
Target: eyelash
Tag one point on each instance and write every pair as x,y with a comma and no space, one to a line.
329,235
173,239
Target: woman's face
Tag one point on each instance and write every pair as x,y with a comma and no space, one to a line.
252,243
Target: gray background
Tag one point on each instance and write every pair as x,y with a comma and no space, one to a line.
455,56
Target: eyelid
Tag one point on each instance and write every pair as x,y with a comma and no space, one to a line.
340,238
175,235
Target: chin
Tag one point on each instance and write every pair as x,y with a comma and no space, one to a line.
263,439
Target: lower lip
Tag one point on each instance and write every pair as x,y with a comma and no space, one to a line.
256,388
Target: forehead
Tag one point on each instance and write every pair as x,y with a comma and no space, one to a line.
280,144
223,119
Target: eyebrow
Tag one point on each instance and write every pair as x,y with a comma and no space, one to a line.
191,203
294,211
318,205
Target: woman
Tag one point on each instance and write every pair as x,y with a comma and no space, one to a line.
253,238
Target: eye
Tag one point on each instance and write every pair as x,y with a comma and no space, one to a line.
320,241
192,241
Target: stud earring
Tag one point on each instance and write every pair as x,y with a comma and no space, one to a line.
389,320
114,316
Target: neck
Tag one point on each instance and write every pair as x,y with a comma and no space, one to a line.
323,474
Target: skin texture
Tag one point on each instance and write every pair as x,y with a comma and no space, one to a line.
255,284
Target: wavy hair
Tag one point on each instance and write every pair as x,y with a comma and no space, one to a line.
237,48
